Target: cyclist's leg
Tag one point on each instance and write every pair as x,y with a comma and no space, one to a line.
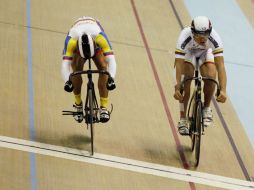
77,65
101,63
208,69
187,70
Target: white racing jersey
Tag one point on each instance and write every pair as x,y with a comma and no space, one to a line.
187,46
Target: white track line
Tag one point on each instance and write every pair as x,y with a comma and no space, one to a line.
126,164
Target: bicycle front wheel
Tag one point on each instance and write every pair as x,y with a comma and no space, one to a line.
197,133
192,133
91,116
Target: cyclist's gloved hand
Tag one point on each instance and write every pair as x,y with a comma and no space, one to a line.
111,84
222,97
178,93
68,87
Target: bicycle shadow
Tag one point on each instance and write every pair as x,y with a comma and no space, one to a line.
160,157
166,155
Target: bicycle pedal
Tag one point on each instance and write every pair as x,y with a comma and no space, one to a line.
71,113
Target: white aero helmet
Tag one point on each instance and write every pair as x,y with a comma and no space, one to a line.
201,25
86,46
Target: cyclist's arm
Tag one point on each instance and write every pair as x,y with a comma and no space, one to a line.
180,52
69,48
179,66
219,62
222,77
111,65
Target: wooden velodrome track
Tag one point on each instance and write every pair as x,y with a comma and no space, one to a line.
143,124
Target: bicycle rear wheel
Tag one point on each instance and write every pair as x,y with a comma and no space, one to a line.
197,132
90,119
191,118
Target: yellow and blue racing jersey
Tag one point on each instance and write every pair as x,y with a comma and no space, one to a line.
89,26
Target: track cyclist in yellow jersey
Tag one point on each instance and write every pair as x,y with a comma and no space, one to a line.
203,42
87,39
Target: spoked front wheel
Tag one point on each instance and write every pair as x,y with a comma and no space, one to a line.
90,118
197,132
192,133
192,121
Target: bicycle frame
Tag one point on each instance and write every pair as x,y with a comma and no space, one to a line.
90,87
91,100
91,107
195,110
196,96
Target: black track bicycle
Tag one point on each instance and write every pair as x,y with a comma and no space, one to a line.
195,111
91,108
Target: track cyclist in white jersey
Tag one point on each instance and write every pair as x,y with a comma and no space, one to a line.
87,39
202,41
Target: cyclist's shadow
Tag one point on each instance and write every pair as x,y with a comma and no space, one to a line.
80,142
75,141
190,156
